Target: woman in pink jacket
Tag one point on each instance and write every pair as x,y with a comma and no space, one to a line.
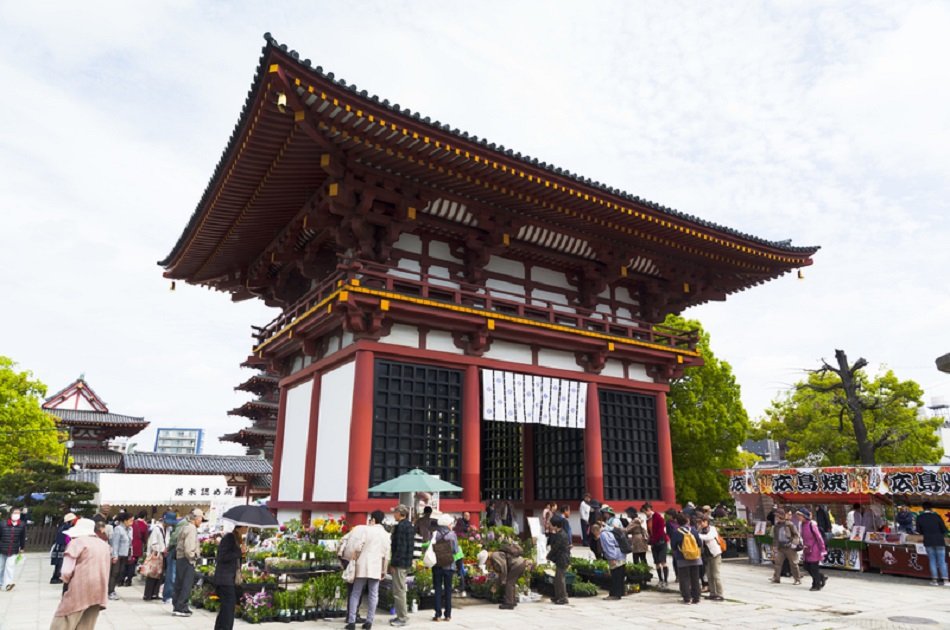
814,548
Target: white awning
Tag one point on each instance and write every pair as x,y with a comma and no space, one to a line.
526,399
158,490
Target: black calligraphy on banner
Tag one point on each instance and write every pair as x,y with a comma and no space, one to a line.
782,483
928,482
179,492
834,558
901,483
807,482
737,484
834,482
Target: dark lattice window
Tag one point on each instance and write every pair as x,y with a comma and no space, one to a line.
417,422
629,444
502,461
558,463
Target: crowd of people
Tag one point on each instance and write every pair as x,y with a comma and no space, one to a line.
92,558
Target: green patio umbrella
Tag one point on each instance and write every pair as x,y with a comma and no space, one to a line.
416,480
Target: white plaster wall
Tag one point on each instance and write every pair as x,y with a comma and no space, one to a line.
507,351
613,367
441,341
403,335
409,243
442,251
497,264
511,291
346,339
411,268
333,433
549,276
441,276
638,372
539,297
558,359
296,436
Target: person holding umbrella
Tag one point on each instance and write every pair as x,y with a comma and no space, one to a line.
227,570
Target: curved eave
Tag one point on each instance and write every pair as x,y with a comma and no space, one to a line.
269,165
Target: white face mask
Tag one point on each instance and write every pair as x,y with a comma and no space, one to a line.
15,517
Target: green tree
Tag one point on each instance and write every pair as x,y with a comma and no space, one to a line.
26,431
707,422
813,420
43,488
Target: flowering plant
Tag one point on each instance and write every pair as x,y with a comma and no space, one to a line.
328,528
257,606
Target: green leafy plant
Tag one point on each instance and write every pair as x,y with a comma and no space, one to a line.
580,588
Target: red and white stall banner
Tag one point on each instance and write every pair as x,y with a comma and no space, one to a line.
926,480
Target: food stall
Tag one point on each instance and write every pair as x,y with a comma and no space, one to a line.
837,488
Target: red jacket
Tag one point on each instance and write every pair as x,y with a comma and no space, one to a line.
657,528
139,537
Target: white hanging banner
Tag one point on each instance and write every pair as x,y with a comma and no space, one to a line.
527,399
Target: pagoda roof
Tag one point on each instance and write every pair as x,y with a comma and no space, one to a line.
268,172
79,417
195,464
259,383
79,388
255,409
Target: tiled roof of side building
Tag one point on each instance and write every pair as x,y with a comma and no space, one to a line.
444,128
98,458
79,416
195,464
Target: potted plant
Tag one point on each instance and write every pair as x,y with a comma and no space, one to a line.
638,573
257,606
582,588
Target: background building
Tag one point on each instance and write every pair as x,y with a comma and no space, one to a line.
178,441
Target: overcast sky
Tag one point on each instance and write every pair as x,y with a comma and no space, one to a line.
824,122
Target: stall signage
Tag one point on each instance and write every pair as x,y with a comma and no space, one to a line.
926,480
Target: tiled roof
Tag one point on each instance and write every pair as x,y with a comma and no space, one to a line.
87,476
501,150
96,458
195,464
263,482
250,432
255,408
78,416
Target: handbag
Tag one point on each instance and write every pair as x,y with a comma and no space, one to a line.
428,558
152,567
349,573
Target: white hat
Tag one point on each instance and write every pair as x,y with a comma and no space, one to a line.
83,527
446,520
69,517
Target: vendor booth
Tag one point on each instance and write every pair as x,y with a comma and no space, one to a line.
160,492
878,488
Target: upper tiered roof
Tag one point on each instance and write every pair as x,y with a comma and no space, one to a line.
295,115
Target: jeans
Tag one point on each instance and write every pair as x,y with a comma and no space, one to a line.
585,532
938,561
184,580
227,594
399,593
358,585
689,582
168,592
7,565
57,568
442,582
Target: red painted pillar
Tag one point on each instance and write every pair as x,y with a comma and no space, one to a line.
311,457
361,432
593,445
665,451
279,446
471,437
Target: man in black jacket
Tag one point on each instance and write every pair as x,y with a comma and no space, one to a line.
402,544
934,531
12,542
560,555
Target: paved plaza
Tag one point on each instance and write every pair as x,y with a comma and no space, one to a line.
849,601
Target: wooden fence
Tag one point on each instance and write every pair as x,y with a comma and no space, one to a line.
40,537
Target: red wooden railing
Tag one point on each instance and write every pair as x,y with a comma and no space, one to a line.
414,283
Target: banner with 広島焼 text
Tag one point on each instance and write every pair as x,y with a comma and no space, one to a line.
926,480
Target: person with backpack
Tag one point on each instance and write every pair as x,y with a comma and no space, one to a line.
445,544
616,559
813,548
786,543
713,546
688,557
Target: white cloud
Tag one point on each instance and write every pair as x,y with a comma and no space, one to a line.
823,122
